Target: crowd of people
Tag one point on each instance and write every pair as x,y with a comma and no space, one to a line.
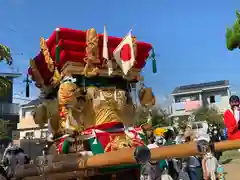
204,167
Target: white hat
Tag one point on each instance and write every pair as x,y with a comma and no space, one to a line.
205,137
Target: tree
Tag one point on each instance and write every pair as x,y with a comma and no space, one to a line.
5,55
4,129
159,117
182,122
211,115
233,35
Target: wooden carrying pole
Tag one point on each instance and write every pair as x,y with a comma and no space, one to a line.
123,156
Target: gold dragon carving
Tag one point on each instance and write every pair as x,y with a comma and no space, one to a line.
48,110
36,76
69,105
134,41
92,53
55,80
46,54
104,106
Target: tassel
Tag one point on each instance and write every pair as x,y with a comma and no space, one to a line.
57,46
154,63
27,81
27,90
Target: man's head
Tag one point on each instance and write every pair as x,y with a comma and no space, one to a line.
234,101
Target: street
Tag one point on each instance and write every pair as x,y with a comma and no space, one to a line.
232,170
231,163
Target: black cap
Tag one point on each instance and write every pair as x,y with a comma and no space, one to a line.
234,98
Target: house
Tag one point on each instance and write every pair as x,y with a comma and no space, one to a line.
188,98
28,135
8,109
26,127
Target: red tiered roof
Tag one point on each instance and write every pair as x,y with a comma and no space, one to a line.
73,43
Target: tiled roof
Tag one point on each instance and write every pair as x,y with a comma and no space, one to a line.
200,86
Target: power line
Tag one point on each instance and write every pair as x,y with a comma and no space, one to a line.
28,100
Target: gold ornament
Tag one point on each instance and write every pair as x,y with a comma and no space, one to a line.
67,93
46,54
92,53
146,97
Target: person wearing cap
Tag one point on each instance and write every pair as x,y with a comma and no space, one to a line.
231,118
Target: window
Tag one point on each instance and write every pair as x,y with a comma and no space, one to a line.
187,98
28,113
218,98
44,134
212,99
29,135
224,93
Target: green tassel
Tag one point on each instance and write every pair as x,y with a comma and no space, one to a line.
57,54
154,63
57,46
65,147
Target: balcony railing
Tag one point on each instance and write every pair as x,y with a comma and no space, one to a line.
9,109
178,106
186,106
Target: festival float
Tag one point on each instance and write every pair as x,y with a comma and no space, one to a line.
90,86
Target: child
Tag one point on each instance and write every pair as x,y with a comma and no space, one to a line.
209,161
209,166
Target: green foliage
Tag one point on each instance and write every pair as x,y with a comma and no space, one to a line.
159,117
5,54
5,84
233,35
183,121
4,129
211,115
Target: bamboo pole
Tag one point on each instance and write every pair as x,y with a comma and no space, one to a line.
123,156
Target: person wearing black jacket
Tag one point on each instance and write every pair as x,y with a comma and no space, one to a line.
216,136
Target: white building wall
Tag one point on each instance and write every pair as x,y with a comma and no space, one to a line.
222,105
36,133
27,126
